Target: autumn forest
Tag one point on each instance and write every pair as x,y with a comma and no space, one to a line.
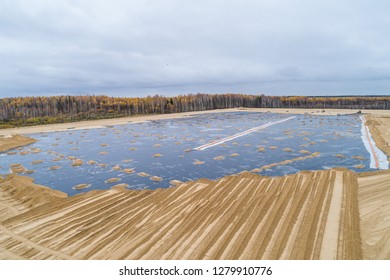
23,111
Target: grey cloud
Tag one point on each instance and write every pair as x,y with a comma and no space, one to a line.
170,47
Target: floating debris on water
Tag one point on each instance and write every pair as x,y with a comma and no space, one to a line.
112,180
143,174
219,158
340,155
116,167
54,167
156,178
82,186
36,150
120,186
77,162
128,170
359,157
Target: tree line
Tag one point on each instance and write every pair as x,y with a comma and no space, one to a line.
22,111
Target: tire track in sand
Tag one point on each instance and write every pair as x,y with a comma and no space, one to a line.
309,215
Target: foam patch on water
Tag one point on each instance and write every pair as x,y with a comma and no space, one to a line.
378,160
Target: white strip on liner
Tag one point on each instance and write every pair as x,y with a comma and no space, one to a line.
378,160
229,138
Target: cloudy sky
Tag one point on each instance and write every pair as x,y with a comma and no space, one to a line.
141,47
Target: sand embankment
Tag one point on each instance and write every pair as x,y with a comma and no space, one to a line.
24,192
310,215
374,204
9,142
379,125
143,118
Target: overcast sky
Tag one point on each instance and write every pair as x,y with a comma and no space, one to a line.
136,48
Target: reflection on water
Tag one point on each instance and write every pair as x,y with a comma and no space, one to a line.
151,154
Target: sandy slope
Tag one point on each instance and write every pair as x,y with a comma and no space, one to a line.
374,196
18,200
374,202
380,129
14,141
310,215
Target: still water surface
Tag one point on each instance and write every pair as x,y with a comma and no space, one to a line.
165,149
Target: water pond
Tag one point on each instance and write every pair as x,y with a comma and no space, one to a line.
152,154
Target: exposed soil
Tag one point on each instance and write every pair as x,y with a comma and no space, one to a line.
309,215
14,141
